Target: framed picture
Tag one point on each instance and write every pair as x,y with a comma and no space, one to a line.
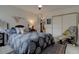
49,21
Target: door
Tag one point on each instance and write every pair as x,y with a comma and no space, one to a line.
57,26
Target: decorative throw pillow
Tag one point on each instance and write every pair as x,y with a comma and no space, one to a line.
12,31
20,30
66,32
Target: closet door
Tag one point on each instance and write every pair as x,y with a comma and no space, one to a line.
69,20
57,26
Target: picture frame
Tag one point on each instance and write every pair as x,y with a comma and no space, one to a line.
49,21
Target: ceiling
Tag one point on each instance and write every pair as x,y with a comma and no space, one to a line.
45,9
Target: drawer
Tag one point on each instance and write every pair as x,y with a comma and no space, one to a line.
1,36
1,41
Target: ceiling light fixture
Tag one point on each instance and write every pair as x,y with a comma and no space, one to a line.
39,7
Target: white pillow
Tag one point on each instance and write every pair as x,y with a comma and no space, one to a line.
20,30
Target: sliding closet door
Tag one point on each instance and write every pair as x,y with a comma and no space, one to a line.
57,26
69,20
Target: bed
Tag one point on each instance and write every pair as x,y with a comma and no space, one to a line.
30,42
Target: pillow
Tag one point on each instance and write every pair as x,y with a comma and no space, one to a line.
12,31
19,30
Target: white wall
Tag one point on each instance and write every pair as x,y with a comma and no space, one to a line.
8,12
64,11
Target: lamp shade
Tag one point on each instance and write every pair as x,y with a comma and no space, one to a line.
19,26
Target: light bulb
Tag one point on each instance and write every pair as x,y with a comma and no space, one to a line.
39,6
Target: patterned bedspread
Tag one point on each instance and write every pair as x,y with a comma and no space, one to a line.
32,42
